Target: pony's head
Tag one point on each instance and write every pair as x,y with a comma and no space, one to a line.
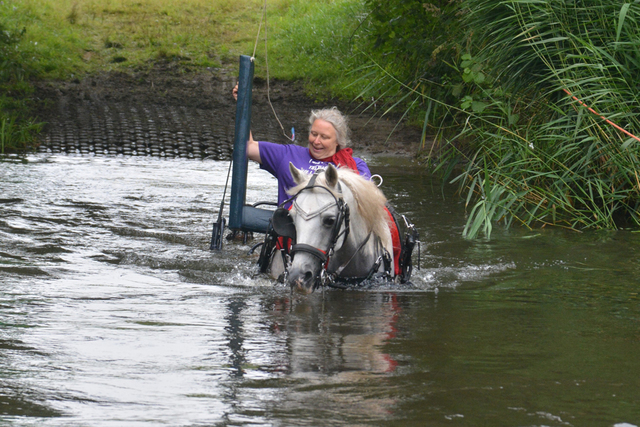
323,211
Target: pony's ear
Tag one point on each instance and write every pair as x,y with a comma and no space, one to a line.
331,175
298,176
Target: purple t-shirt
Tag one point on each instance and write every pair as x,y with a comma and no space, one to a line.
276,157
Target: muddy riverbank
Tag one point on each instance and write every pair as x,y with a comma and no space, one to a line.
167,111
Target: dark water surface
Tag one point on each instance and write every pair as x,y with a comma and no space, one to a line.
114,312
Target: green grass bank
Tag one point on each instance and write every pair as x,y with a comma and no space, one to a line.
66,39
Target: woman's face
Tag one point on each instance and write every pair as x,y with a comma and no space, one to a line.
322,139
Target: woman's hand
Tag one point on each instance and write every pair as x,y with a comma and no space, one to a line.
234,92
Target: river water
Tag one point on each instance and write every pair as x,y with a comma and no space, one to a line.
114,312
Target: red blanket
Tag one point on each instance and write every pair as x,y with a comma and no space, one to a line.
395,239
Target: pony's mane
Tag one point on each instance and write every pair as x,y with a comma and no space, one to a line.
370,200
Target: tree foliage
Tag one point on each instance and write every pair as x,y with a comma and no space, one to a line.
418,37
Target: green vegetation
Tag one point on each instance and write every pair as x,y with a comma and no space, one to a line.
533,152
315,42
64,39
78,36
532,104
16,131
397,56
513,94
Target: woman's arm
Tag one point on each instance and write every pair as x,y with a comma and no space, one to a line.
253,148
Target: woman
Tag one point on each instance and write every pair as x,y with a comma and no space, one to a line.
328,141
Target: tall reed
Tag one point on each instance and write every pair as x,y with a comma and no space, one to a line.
558,67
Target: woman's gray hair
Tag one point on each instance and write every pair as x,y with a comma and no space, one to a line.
337,119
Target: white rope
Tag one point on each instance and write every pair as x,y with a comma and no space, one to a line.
266,61
264,18
256,45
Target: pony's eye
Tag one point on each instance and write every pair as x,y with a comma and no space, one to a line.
328,221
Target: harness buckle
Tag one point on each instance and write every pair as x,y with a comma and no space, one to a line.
325,279
376,266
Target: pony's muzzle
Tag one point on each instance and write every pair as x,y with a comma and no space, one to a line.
301,280
305,267
303,273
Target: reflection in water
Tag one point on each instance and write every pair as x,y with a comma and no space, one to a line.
234,332
323,348
114,312
320,339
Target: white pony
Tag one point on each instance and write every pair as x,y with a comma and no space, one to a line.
339,228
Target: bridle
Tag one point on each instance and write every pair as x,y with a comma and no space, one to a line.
282,222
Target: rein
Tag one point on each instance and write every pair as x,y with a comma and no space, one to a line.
385,257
